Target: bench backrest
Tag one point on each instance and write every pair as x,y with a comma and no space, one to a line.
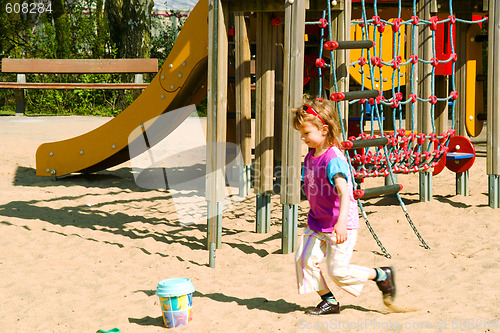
79,66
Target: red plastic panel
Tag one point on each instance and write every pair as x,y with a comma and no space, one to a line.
460,144
440,165
443,48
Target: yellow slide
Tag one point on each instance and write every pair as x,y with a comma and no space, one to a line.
180,82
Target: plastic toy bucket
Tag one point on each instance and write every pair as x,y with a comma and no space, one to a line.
176,300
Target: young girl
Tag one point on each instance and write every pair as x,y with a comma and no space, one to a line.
333,217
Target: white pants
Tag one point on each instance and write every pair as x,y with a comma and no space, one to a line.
313,248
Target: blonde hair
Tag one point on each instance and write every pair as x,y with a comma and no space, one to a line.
326,112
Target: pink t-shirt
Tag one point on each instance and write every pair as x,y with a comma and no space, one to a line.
321,192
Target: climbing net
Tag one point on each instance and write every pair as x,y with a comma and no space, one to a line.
401,150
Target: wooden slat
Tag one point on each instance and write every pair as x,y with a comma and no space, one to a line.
243,86
264,122
79,66
218,18
424,86
410,75
40,85
270,5
278,62
252,67
424,122
461,75
293,74
258,101
441,109
493,103
341,29
292,98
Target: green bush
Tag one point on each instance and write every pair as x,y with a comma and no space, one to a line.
30,39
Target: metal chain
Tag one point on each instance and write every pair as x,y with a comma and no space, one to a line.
420,238
408,218
374,235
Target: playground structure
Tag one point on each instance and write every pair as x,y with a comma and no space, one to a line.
429,99
281,46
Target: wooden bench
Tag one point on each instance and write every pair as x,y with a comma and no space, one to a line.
73,66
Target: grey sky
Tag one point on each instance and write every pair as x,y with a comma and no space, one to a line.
175,4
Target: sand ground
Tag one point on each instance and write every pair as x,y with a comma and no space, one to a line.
86,253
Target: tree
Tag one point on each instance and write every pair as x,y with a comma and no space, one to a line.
100,40
61,24
130,27
14,29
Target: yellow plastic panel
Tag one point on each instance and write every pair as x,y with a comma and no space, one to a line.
474,88
385,52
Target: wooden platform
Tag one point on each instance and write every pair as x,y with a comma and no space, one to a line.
439,6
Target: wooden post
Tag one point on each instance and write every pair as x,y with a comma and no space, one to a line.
441,108
411,76
278,38
424,124
341,29
292,98
493,116
441,91
264,121
461,74
461,182
243,100
216,122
